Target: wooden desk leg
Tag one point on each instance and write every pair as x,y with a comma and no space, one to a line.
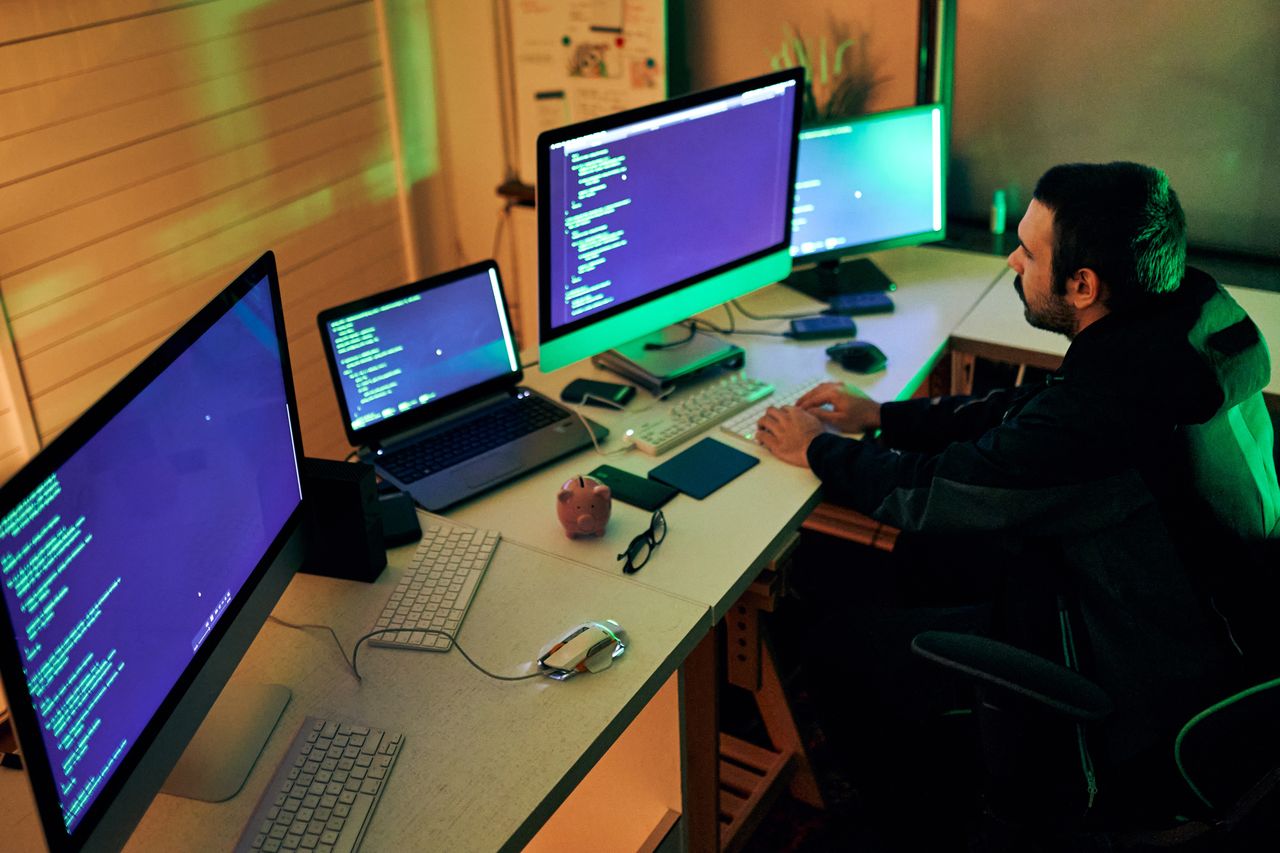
700,746
962,372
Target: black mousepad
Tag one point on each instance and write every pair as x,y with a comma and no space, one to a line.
703,468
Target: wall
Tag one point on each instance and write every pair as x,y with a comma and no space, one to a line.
149,151
731,40
1190,86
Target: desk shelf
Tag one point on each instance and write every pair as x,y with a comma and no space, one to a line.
749,783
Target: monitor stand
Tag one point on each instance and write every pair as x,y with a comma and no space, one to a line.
216,763
830,278
659,370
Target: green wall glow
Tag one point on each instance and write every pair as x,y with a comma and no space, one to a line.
414,74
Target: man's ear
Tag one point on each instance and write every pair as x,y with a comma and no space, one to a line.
1085,289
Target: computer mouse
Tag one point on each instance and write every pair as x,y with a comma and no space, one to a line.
858,356
589,647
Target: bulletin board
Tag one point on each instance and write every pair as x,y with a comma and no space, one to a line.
578,59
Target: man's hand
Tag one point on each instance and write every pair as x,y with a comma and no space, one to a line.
787,432
836,407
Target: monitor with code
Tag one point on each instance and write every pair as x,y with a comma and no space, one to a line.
131,543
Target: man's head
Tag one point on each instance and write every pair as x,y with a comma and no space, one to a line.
1096,238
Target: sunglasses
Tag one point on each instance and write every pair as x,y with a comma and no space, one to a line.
643,546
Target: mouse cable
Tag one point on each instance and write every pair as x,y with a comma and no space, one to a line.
351,662
356,649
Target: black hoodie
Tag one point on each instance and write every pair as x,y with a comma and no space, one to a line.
1136,465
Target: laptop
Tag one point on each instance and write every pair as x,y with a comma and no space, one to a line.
428,382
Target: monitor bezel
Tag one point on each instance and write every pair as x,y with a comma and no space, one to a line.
547,334
119,805
378,431
917,238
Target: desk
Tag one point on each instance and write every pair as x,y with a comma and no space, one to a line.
485,763
479,770
996,329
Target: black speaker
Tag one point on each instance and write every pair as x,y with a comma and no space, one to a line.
344,520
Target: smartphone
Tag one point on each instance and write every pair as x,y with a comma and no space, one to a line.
634,489
610,395
813,328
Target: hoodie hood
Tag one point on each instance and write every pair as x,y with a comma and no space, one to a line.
1187,355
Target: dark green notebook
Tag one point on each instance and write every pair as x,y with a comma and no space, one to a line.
703,468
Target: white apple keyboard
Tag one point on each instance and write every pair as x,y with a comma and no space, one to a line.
437,587
696,412
743,424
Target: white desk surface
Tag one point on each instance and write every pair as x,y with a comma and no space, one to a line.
997,321
716,547
484,762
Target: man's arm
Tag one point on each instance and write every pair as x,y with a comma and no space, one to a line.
1060,465
931,424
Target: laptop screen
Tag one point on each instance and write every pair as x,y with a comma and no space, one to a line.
410,347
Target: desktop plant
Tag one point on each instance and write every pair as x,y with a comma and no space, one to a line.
839,82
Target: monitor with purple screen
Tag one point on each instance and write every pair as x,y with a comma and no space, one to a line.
649,216
392,355
141,551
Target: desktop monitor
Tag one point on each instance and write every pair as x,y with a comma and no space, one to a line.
649,216
142,549
874,182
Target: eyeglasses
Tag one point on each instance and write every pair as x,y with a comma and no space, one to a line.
642,547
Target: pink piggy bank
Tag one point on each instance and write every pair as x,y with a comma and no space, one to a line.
583,506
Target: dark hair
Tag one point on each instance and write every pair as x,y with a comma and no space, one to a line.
1123,221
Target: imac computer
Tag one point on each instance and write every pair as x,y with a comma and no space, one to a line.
142,549
650,216
874,182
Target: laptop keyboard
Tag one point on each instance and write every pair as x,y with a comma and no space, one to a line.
500,425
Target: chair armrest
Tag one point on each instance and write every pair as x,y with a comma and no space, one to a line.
995,664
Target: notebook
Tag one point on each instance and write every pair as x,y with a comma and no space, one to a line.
428,382
703,468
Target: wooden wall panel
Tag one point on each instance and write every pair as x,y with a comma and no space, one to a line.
149,151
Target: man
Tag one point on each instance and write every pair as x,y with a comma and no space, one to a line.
1132,473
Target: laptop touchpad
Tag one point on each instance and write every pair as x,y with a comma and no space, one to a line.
486,469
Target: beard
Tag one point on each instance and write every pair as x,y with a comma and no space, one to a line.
1054,316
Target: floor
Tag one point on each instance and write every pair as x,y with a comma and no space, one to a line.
847,823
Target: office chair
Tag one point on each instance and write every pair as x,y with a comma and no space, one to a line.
1220,790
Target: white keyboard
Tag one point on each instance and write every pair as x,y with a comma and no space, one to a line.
695,412
324,791
744,423
437,587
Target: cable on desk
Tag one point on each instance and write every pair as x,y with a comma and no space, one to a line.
733,326
356,650
592,433
750,316
350,456
304,627
691,325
